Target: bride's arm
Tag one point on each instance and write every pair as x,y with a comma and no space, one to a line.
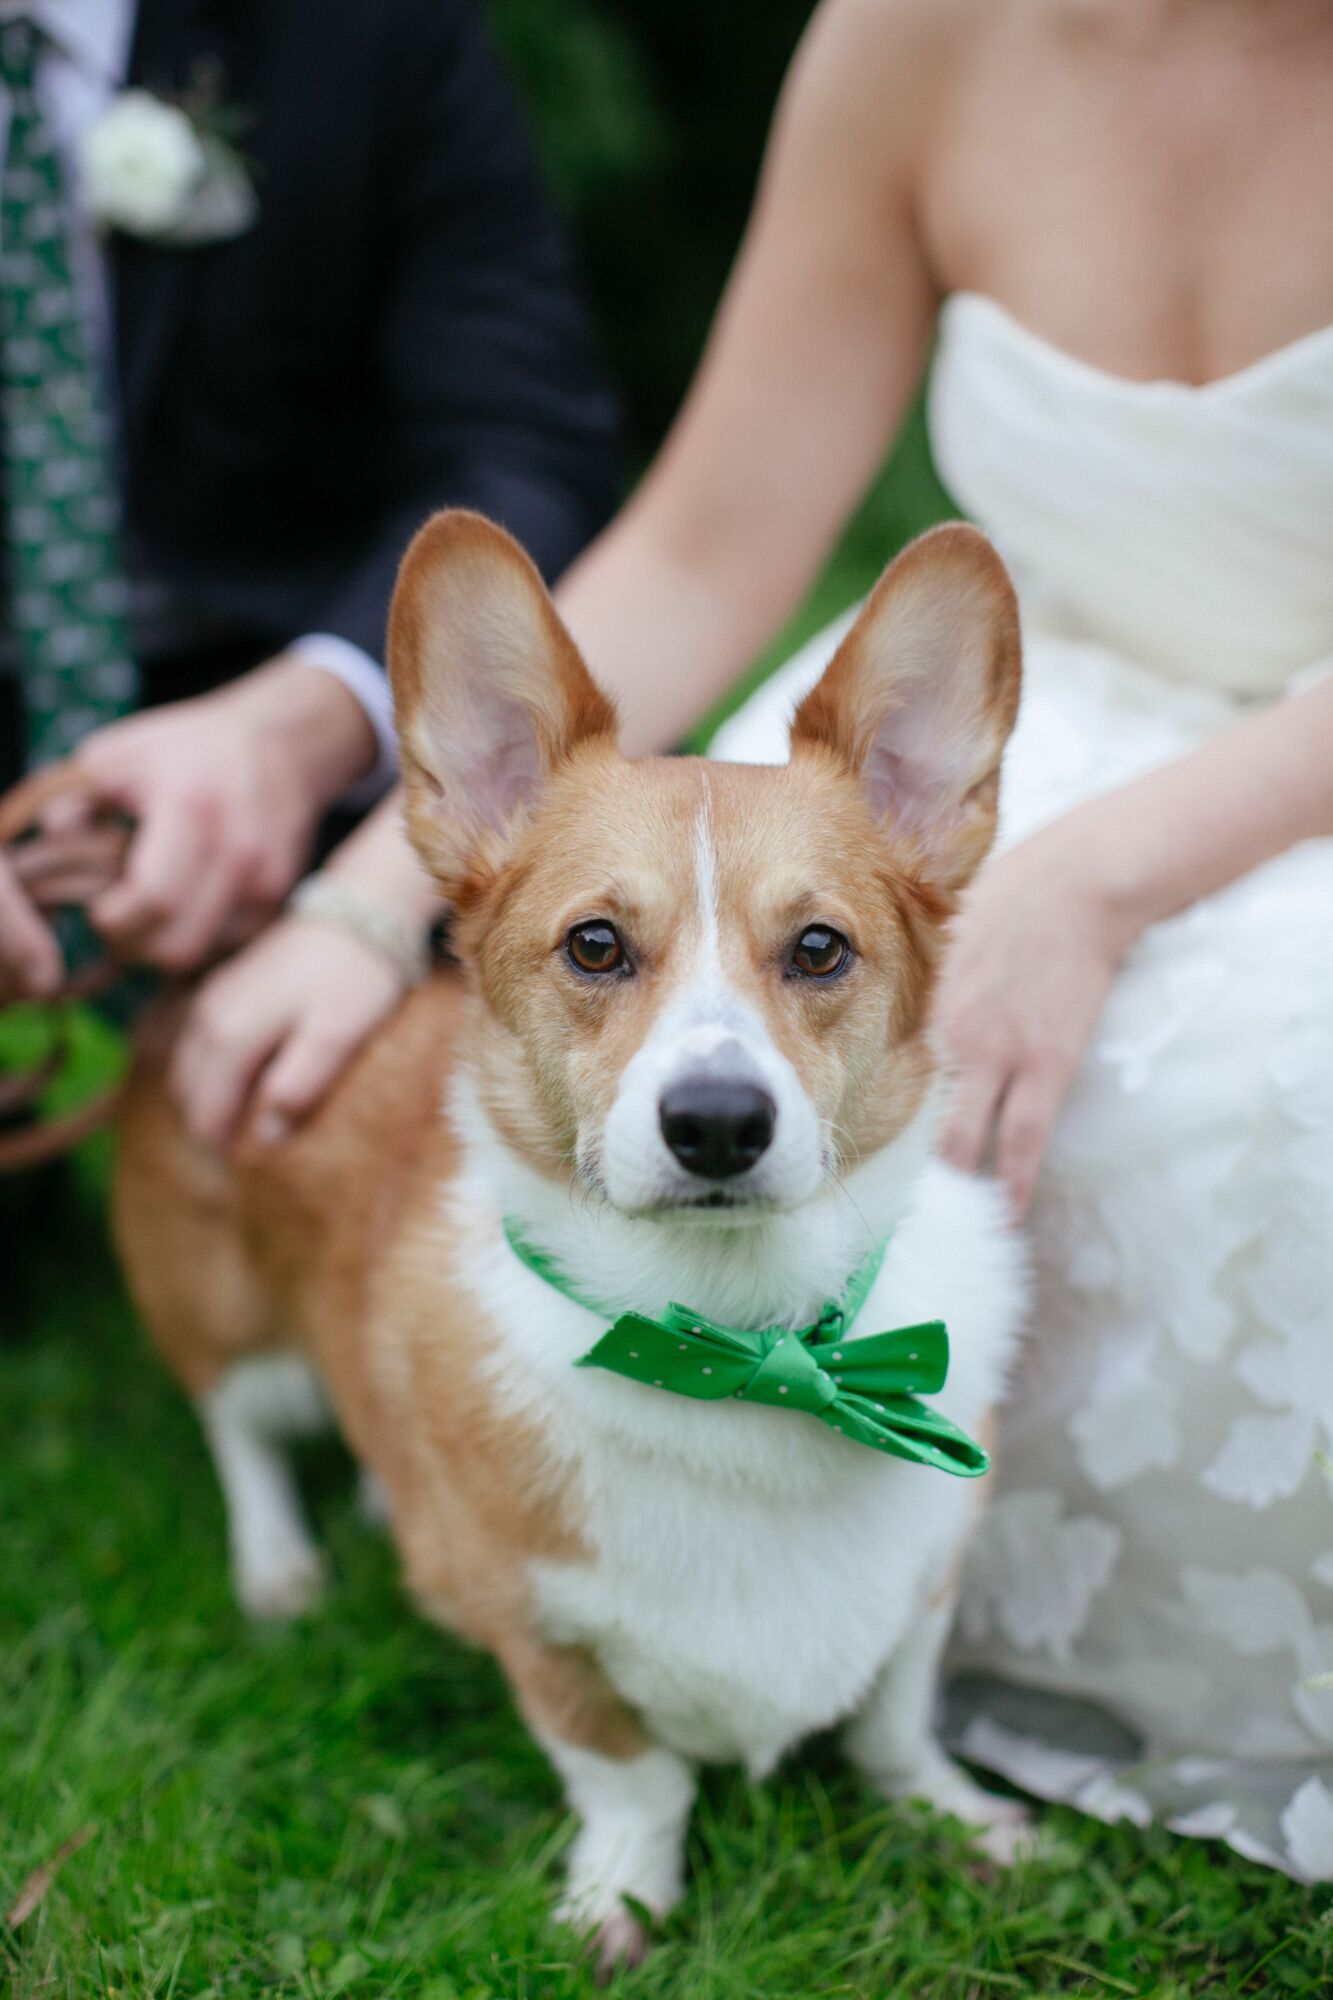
1186,830
818,345
1041,934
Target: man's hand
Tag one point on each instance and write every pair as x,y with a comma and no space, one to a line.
48,872
30,967
227,791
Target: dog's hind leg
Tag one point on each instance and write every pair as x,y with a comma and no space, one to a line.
211,1318
892,1740
211,1323
247,1416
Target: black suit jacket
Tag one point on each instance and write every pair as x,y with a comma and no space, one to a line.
398,331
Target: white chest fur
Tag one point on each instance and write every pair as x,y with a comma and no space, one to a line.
749,1572
735,1620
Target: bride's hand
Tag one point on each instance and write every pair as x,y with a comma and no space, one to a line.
1032,956
270,1031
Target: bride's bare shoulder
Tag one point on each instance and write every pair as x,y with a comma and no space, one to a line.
924,26
901,53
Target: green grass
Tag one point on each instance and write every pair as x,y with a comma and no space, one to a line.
352,1807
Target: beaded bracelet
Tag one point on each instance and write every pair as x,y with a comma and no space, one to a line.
325,899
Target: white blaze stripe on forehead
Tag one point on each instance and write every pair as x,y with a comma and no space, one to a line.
709,1012
705,1024
705,882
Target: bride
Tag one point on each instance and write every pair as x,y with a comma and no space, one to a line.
1110,218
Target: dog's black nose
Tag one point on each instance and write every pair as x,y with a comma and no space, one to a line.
717,1129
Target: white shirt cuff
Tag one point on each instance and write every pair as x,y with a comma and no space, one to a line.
370,684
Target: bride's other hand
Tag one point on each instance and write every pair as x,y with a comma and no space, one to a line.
1044,927
1032,956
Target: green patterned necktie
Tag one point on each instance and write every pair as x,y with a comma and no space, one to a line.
865,1387
67,591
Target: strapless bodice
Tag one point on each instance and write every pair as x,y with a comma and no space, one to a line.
1187,528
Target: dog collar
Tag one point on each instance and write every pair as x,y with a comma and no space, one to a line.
867,1388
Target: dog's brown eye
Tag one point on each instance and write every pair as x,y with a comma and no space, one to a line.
595,948
820,953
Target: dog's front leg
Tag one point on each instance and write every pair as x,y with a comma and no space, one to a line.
633,1798
892,1739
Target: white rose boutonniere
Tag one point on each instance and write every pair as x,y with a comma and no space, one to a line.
164,172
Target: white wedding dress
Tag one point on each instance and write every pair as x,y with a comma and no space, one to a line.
1147,1621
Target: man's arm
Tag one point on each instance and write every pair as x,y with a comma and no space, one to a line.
487,395
491,392
490,387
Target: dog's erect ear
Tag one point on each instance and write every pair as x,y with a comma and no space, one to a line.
920,698
490,693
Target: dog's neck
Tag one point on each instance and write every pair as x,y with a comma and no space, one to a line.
772,1269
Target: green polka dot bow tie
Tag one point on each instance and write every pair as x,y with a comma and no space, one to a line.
866,1388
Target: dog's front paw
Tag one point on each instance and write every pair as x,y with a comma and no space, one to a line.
615,1940
280,1584
1003,1828
1006,1836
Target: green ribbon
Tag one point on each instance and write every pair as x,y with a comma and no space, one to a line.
867,1389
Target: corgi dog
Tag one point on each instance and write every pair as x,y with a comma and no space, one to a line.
686,1059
